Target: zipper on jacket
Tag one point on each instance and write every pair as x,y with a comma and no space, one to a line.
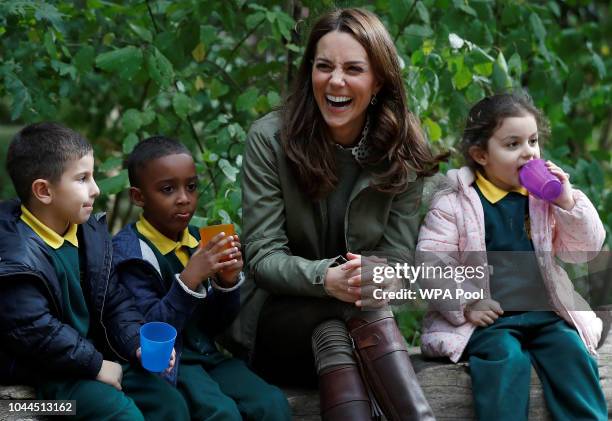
107,273
323,209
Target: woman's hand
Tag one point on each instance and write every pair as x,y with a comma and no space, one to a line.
337,283
363,282
565,199
483,312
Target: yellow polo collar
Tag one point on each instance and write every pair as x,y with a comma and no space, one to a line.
493,193
50,237
160,241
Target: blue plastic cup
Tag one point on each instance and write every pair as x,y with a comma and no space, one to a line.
156,343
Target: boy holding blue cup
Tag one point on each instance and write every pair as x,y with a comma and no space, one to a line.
194,289
65,321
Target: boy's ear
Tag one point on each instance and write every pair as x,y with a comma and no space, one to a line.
42,191
479,155
136,197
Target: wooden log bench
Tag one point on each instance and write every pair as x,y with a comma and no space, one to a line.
447,387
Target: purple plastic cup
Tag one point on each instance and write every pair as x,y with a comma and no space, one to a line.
539,181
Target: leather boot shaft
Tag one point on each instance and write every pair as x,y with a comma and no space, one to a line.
384,357
343,395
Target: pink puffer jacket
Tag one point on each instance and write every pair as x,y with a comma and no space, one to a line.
455,225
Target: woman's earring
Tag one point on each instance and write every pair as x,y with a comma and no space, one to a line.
374,100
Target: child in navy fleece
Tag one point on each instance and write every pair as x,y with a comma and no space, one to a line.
194,289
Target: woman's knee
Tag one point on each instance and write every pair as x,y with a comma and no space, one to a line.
332,345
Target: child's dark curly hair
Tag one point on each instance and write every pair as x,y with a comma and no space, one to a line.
487,115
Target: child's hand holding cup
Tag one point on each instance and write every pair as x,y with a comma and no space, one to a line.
208,232
547,181
227,275
539,181
157,346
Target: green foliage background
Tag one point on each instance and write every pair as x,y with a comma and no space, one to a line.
203,71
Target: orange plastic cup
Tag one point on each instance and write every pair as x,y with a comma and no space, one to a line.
208,232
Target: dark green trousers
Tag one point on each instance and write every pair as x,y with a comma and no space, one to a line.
144,396
227,390
501,356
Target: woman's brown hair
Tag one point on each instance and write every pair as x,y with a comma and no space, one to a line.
395,138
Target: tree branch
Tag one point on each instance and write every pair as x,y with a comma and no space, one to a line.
406,19
152,17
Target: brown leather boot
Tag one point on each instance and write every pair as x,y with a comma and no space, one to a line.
343,395
384,358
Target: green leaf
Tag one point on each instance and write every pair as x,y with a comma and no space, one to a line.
147,117
46,11
399,9
110,164
160,69
462,78
208,34
143,33
596,175
247,100
182,105
500,77
501,62
433,129
284,27
129,142
113,185
218,89
462,5
515,65
198,221
49,43
125,61
422,11
274,99
131,120
599,65
64,69
418,31
474,93
225,217
483,69
83,60
19,92
228,170
554,8
210,157
566,104
254,19
537,26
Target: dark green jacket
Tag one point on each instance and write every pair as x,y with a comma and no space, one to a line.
284,230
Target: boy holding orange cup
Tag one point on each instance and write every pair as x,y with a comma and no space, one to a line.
190,279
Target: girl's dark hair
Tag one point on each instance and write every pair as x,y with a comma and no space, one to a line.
395,137
487,115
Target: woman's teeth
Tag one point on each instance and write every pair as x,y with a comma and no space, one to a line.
338,101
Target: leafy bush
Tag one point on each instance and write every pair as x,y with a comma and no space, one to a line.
202,71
